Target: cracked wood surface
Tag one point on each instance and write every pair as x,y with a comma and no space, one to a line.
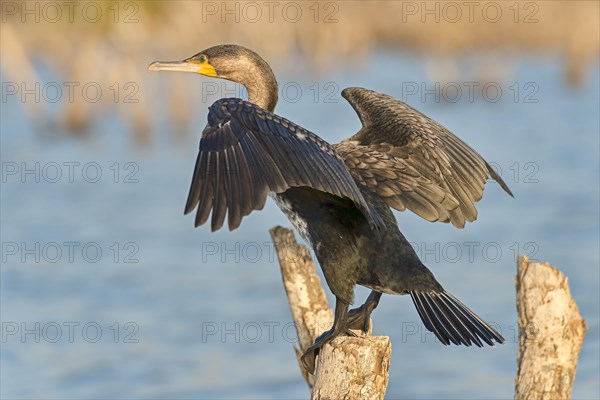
551,331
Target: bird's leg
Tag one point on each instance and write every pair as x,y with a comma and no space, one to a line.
359,318
340,323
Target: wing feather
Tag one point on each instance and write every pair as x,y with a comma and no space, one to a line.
247,152
413,162
220,199
206,199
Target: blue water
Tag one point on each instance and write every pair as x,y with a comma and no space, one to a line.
168,311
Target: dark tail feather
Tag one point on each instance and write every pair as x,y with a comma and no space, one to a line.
453,322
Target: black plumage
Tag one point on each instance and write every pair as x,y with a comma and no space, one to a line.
247,153
339,196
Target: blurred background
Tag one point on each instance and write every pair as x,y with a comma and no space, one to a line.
107,290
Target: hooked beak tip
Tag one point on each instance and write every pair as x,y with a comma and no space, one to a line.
155,66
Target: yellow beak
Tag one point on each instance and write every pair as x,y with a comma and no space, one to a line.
184,66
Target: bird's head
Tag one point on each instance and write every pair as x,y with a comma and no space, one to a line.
234,63
214,62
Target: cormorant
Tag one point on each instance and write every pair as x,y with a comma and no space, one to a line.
338,196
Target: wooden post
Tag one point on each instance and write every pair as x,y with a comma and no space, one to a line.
348,367
551,332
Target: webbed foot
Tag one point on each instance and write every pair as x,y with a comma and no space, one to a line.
340,326
360,317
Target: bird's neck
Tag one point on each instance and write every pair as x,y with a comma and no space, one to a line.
259,80
263,92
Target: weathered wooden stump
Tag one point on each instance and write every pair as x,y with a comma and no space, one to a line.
348,367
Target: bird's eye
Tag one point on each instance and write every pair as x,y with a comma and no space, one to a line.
202,58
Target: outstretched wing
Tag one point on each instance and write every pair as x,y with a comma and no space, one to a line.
247,152
413,162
